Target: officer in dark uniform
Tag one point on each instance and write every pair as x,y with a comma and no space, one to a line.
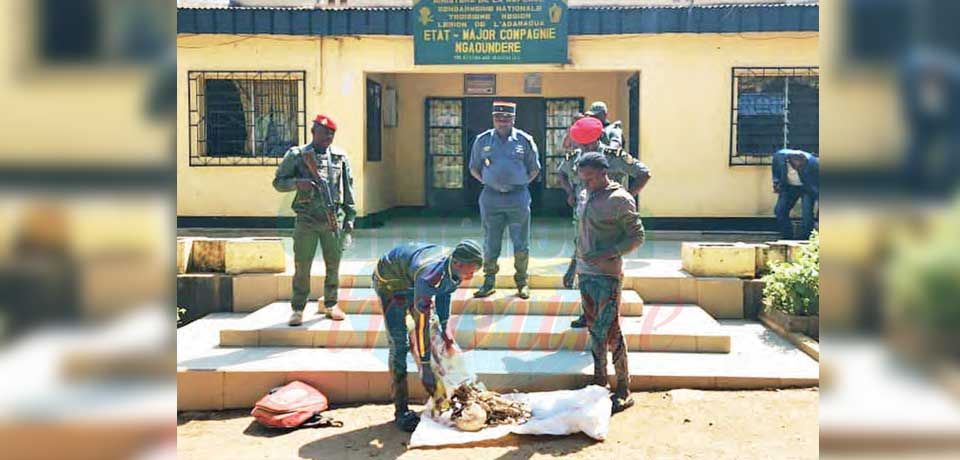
408,280
320,173
505,160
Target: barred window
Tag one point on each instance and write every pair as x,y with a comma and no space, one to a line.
245,118
101,31
773,108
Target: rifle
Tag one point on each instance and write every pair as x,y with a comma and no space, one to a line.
323,191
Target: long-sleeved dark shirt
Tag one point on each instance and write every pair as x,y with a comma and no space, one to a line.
422,272
609,226
334,169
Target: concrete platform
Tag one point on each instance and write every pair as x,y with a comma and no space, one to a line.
549,236
719,259
678,328
883,400
656,280
210,377
364,301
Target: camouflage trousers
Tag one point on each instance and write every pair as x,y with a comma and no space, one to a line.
395,310
601,304
307,233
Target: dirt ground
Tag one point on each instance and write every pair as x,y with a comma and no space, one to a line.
680,424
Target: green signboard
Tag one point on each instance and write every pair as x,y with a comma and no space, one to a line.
490,31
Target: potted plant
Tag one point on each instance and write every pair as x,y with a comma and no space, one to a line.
791,292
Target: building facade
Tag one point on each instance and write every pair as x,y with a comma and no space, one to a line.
706,93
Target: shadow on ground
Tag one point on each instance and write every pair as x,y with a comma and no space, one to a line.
386,441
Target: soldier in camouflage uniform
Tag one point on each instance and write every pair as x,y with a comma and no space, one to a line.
612,131
622,168
317,220
410,280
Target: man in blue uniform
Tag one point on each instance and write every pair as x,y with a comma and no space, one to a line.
505,160
411,278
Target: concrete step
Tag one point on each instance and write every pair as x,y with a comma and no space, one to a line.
656,280
543,274
503,302
677,328
212,378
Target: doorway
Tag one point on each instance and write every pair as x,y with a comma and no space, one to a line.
452,124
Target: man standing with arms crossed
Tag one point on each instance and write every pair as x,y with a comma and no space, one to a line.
320,174
610,227
505,160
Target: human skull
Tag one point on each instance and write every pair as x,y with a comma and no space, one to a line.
473,418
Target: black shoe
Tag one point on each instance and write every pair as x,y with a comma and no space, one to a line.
523,292
579,323
621,404
487,289
407,421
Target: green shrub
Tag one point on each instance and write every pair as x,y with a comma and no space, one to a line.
923,278
794,287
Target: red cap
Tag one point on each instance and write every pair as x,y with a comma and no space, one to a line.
324,120
586,130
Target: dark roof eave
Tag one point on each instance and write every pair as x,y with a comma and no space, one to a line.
583,21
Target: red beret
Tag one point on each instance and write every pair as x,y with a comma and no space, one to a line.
324,120
586,130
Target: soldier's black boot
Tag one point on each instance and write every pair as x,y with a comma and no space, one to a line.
521,262
488,286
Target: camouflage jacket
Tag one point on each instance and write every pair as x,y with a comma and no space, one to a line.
334,168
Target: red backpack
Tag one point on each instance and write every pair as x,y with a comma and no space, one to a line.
294,405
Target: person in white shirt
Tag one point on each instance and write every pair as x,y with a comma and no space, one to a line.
796,176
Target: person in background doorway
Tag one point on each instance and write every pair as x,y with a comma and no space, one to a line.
612,131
